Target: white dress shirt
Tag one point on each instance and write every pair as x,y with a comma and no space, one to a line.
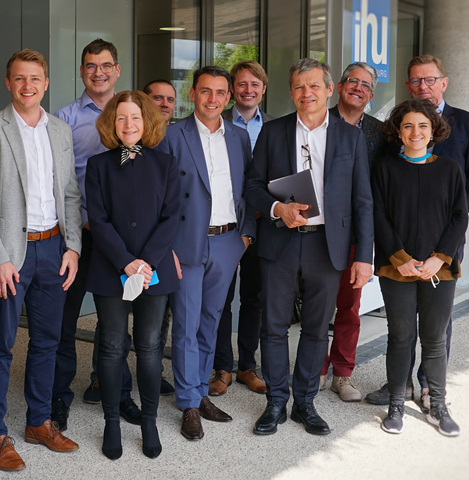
219,173
316,139
42,214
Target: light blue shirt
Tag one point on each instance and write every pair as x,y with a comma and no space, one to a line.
253,127
81,115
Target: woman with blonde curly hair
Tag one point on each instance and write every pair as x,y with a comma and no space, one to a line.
133,204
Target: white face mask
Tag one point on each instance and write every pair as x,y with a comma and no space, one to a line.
133,286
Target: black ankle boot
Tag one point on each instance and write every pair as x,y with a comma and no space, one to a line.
112,446
151,440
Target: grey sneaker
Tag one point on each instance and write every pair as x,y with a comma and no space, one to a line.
439,416
381,396
394,422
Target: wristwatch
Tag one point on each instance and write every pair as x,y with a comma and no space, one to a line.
251,239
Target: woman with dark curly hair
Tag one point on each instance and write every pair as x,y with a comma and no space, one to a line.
133,203
420,213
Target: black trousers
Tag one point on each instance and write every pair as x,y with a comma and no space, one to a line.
434,306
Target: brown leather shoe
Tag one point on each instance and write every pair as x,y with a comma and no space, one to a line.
191,424
210,412
48,434
252,380
9,458
219,383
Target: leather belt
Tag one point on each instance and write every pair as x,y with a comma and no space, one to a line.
38,236
220,229
311,228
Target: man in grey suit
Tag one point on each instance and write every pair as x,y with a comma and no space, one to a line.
248,85
355,92
314,250
40,241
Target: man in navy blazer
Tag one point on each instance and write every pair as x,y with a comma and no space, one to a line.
427,80
215,228
312,251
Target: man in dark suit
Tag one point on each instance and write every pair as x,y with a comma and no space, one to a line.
215,228
249,82
427,80
355,92
313,251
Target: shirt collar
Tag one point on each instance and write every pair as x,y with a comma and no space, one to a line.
203,129
359,124
87,101
236,115
323,125
44,120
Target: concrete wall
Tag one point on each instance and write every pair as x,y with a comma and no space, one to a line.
446,36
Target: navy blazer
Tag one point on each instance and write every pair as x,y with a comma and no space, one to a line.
456,146
133,213
183,141
348,201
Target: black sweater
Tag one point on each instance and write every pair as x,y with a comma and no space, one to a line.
418,208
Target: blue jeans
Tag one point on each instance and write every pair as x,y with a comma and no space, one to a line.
113,318
435,307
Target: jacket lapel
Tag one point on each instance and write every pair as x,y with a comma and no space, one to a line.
290,124
192,137
13,135
331,140
55,145
447,115
235,156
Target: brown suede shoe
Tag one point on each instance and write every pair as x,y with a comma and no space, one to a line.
210,412
219,383
48,434
191,424
9,458
252,380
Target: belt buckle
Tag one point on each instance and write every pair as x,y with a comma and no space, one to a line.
219,232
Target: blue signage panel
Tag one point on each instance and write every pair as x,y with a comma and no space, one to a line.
370,35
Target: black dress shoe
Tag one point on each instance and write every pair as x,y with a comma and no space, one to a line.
166,388
191,424
210,412
130,412
313,422
59,413
273,415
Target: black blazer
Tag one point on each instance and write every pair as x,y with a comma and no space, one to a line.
377,146
347,193
133,213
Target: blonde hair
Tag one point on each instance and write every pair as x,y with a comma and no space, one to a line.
27,55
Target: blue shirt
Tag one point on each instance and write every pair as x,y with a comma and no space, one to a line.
81,115
253,127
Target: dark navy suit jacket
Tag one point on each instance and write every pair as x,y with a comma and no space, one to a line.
133,213
347,193
183,141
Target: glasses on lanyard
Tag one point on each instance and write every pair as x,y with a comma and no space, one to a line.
306,153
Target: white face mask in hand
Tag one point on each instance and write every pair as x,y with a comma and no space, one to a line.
133,286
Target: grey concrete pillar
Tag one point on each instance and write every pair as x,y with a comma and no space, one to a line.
446,36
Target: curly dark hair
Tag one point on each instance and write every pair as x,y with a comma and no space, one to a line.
391,126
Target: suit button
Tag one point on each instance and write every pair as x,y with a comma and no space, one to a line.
133,224
24,229
183,173
186,195
183,217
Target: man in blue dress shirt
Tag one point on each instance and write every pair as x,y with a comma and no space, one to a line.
249,82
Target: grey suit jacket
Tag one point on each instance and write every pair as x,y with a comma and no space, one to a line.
14,188
228,116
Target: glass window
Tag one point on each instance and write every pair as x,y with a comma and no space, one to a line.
168,46
236,32
317,45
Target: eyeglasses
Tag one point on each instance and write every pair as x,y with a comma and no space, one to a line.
355,82
429,81
91,68
305,153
